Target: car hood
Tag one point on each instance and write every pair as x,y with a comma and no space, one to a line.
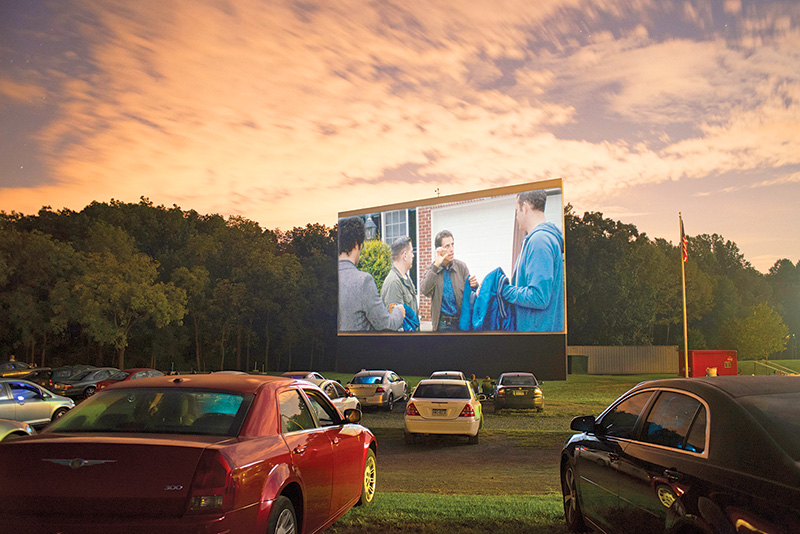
91,474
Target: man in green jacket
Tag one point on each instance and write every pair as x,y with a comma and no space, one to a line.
398,288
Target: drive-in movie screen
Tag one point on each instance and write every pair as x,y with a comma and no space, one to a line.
482,262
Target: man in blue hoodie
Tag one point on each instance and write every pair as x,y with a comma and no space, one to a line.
537,285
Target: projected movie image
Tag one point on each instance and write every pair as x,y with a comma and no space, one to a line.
489,261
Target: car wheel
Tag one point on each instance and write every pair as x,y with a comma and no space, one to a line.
88,392
282,519
58,413
572,510
390,403
369,479
473,440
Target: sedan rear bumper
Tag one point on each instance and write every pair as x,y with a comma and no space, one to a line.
462,426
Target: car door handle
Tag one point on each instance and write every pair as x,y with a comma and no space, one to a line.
300,449
672,475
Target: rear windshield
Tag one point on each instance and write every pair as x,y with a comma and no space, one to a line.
442,391
119,375
81,375
518,381
779,414
367,380
158,411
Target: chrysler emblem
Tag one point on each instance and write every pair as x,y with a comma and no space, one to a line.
76,463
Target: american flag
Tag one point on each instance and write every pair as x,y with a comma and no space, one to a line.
684,243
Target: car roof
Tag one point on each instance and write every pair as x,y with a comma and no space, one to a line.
373,372
225,382
446,373
517,374
734,386
442,381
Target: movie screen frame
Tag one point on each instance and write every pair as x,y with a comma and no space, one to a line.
487,233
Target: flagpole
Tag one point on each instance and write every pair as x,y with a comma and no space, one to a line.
684,254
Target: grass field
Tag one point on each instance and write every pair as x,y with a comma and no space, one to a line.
520,495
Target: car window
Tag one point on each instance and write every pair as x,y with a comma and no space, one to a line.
326,413
670,420
295,414
22,392
779,415
340,391
518,381
366,380
442,391
621,420
330,390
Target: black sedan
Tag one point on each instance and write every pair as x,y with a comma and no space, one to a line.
518,390
700,455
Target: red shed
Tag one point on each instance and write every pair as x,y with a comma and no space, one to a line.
709,362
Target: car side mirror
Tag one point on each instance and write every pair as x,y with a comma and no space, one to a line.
584,423
352,416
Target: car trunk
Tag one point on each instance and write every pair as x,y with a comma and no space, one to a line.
119,476
440,409
366,390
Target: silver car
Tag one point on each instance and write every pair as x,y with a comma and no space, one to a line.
30,403
341,398
13,429
378,388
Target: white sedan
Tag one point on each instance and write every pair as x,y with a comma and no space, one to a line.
340,397
443,407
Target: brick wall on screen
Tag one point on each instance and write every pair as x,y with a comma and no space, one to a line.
424,257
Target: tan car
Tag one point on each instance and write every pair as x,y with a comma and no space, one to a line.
378,388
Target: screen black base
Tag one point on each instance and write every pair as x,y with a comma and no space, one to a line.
544,355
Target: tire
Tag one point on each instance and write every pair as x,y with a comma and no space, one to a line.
473,440
569,489
58,413
368,480
89,391
282,518
390,403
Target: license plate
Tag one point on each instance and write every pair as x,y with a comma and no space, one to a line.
519,393
439,411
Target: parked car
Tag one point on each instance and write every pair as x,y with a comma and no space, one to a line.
448,375
14,368
187,454
303,375
40,375
128,374
84,384
443,406
342,399
61,374
13,429
701,455
518,390
30,403
378,388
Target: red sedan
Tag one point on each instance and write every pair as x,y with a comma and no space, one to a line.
191,454
128,374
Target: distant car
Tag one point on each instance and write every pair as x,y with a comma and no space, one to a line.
303,375
228,373
13,429
518,390
13,368
40,375
84,384
342,399
128,374
448,375
189,454
30,403
701,455
61,374
378,388
443,406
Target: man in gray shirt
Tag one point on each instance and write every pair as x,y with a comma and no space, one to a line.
398,288
360,306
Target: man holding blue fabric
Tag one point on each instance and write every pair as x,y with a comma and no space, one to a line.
537,285
444,283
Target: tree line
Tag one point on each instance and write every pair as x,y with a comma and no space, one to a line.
134,284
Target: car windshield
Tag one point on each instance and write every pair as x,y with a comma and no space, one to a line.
518,381
158,411
367,380
442,391
779,414
119,375
81,375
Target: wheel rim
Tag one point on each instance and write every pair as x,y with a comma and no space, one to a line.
370,477
391,402
285,523
89,392
570,496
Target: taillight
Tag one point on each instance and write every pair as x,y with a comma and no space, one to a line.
501,392
537,392
380,390
467,411
411,409
213,486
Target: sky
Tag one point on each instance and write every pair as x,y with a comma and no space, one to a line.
287,113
